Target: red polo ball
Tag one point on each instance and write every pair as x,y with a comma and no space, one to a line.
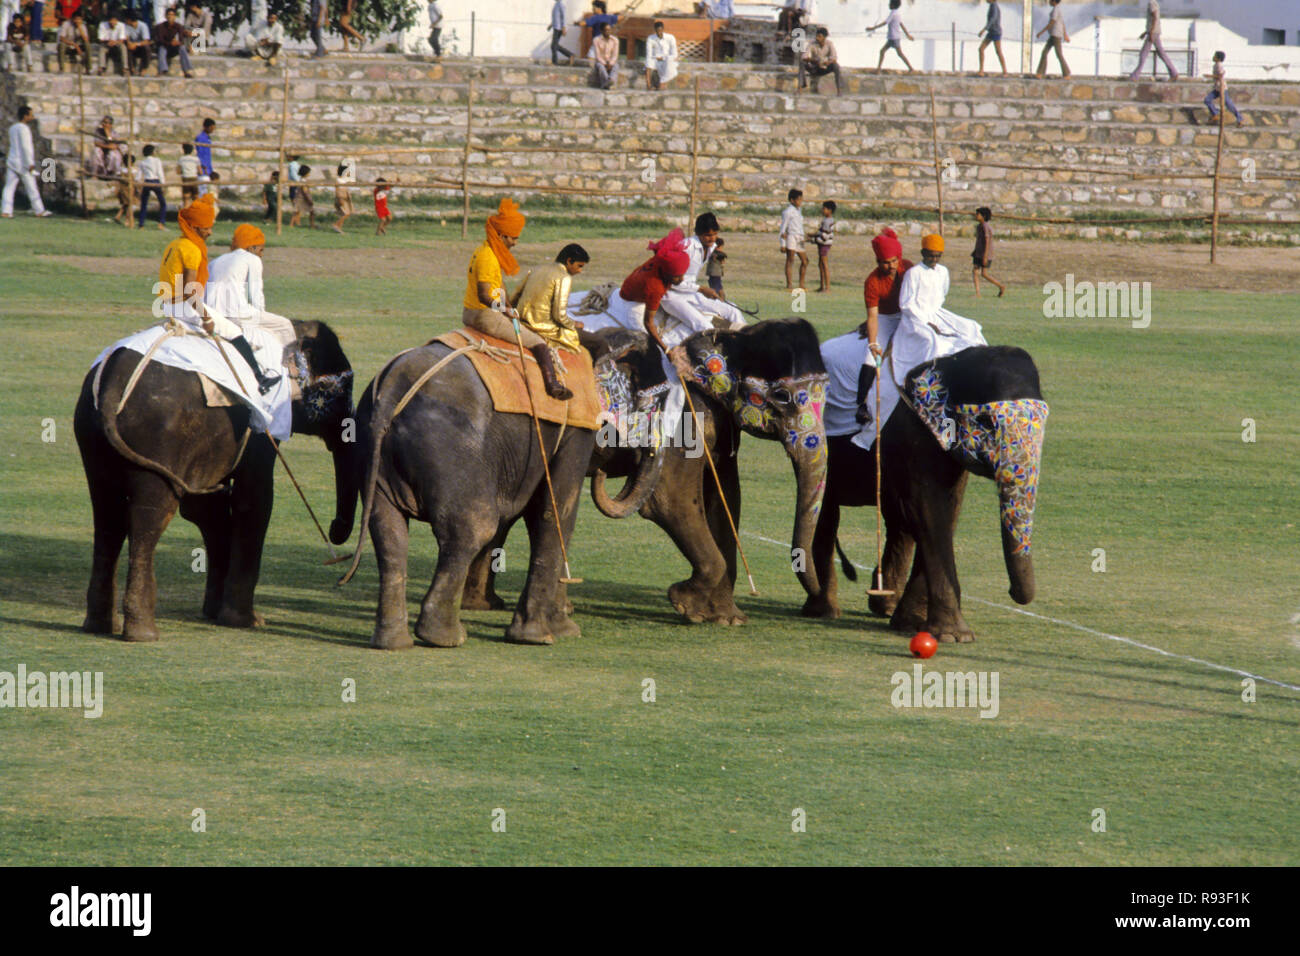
923,645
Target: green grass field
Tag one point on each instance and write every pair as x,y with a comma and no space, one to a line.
1144,458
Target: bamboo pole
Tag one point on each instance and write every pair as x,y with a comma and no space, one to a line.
695,146
279,178
130,151
464,159
1218,161
81,139
938,170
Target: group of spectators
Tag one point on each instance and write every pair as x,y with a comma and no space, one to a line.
93,37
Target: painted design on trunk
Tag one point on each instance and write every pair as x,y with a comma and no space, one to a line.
639,417
1008,436
321,394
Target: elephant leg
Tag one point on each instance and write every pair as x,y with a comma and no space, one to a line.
390,531
899,550
539,618
251,498
911,607
480,584
677,506
109,504
722,602
212,515
461,536
152,506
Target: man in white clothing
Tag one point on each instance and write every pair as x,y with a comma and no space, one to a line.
112,44
688,306
660,57
235,288
927,330
21,165
266,39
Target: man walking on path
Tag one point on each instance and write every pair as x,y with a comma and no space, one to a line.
992,33
1056,36
1151,37
557,34
21,165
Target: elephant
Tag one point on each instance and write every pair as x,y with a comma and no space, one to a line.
922,490
450,459
167,450
766,379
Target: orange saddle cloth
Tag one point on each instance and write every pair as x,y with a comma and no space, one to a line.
503,374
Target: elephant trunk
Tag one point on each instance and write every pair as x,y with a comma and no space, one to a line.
810,477
346,491
636,490
1019,453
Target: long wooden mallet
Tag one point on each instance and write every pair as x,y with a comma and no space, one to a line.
879,590
335,557
546,467
654,334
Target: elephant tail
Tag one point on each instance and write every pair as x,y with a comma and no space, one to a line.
846,565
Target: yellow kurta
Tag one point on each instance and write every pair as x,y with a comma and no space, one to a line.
543,305
483,267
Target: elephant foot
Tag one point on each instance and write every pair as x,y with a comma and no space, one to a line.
230,617
907,621
699,608
562,625
953,635
435,634
391,638
139,633
820,607
482,602
100,623
529,632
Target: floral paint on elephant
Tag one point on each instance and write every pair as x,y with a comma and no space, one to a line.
638,418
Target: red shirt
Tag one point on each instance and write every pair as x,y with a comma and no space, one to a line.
644,285
381,202
882,290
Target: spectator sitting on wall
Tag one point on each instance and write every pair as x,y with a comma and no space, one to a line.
170,36
604,51
266,40
596,20
198,26
17,46
138,42
74,43
112,44
819,60
660,57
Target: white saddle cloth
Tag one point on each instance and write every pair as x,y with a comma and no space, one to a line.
272,412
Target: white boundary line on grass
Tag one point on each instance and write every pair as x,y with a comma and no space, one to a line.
1085,630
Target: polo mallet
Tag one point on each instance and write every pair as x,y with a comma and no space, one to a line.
879,590
752,313
654,334
335,557
568,578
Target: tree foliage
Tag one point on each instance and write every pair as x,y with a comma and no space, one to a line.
370,18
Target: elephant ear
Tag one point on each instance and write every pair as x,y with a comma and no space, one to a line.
324,376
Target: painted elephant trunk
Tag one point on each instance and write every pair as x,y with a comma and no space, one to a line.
346,491
636,490
1019,453
810,476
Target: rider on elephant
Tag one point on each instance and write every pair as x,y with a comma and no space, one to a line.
235,286
488,308
880,293
690,304
927,330
645,289
543,301
183,277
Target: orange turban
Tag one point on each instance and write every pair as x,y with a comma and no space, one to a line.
248,235
200,214
932,243
508,221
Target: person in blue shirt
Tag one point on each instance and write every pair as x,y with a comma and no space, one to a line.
203,150
557,34
598,17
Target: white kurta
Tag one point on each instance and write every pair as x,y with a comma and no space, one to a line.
661,55
235,289
928,330
22,156
844,357
687,310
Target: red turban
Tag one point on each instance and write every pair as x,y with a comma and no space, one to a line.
670,256
886,245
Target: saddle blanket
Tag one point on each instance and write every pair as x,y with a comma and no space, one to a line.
503,374
272,412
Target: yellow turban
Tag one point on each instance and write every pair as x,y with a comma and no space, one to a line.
200,214
508,221
932,243
248,235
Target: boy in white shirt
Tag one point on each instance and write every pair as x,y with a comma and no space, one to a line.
112,44
188,166
894,33
792,238
149,174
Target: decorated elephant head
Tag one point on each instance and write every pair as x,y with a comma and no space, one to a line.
771,377
985,408
324,377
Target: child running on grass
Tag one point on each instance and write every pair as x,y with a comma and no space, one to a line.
982,257
342,195
302,199
822,238
381,206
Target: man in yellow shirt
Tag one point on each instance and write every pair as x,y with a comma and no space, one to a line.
487,305
183,275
